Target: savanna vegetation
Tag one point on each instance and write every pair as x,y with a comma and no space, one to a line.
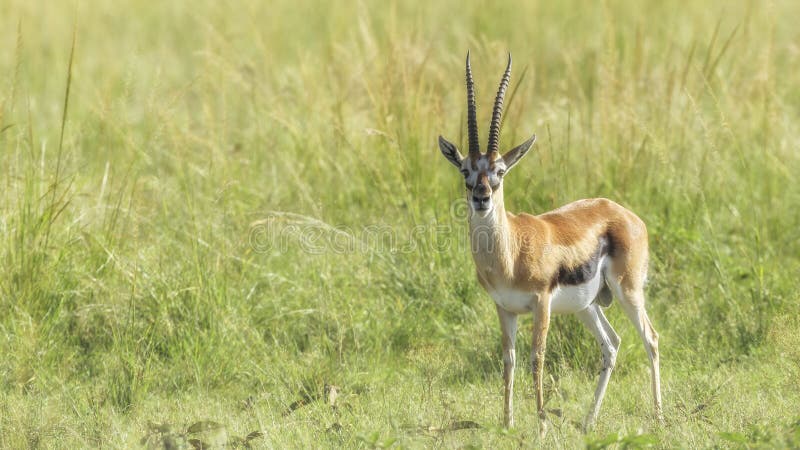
218,218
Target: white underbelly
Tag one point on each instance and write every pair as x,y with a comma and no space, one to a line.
512,300
569,299
565,299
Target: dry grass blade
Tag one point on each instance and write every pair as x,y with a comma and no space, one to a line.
66,100
722,51
56,207
254,435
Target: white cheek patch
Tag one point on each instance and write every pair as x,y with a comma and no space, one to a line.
472,178
494,178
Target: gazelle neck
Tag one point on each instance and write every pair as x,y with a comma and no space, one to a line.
496,218
490,236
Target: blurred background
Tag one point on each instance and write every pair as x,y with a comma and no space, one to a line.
225,209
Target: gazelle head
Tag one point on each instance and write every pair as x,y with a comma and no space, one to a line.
484,172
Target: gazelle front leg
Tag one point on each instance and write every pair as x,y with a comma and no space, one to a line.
541,323
508,325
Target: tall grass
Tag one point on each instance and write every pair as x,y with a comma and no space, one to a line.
240,205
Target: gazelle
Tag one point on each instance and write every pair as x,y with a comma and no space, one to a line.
570,260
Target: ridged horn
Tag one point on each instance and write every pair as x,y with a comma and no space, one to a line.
497,112
472,119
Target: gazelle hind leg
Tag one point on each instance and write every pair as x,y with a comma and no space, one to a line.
609,341
650,338
632,301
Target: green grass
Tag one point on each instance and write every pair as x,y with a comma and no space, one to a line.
249,205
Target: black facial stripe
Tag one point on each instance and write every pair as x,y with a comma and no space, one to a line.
586,271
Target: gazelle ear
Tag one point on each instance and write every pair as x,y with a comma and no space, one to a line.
515,154
450,152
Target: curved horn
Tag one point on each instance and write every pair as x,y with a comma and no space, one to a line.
497,112
472,120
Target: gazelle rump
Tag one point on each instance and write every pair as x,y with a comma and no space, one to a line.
568,261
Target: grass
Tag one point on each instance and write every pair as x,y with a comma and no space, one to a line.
248,207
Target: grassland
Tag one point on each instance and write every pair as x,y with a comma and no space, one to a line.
243,203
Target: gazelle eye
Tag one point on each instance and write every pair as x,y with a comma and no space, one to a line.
465,173
501,172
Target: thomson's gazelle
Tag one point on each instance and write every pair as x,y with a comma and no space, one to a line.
570,260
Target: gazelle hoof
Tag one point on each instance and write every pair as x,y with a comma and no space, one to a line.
588,424
542,428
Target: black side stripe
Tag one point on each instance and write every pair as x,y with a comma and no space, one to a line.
584,272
